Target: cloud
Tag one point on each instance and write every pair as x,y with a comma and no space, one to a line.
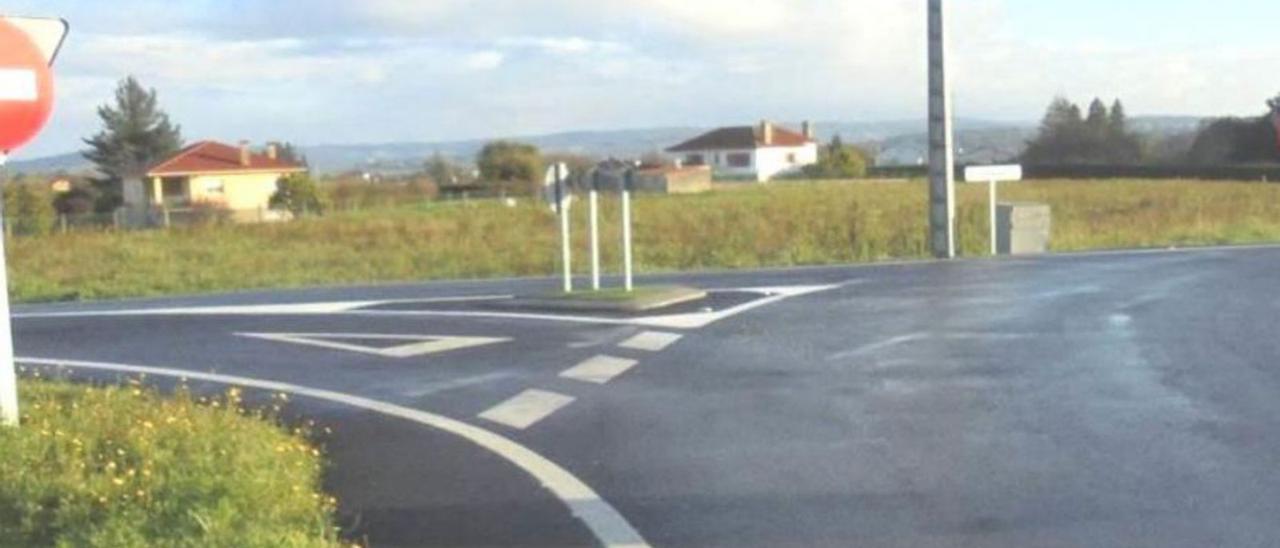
484,60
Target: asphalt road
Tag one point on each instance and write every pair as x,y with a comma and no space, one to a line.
1127,400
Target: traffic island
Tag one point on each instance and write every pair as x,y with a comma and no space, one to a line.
640,299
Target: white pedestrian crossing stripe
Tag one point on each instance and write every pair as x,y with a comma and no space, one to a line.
651,341
526,408
598,370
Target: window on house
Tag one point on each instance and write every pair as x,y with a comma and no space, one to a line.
791,158
695,160
214,186
173,188
739,159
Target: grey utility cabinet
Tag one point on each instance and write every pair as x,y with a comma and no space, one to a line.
1022,228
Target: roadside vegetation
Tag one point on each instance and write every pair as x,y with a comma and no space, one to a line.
121,467
783,224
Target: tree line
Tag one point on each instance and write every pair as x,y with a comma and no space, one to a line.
1069,136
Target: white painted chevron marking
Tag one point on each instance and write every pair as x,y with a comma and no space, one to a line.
423,344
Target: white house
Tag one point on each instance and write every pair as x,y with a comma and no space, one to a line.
760,153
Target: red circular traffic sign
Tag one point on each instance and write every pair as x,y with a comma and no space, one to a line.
26,88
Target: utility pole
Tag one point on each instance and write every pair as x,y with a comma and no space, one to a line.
942,188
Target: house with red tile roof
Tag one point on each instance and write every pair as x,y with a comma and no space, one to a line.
758,153
208,172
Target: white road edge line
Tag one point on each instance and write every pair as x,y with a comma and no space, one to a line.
599,369
426,344
601,518
673,321
651,341
526,408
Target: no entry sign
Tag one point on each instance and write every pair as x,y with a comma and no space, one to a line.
26,85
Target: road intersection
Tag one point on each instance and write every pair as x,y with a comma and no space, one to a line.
1063,400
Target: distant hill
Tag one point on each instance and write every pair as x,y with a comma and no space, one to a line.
896,142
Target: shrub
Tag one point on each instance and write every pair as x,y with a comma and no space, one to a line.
297,194
120,466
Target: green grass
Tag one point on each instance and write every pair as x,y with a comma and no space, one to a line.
120,466
783,224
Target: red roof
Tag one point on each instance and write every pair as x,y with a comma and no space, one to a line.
215,157
740,138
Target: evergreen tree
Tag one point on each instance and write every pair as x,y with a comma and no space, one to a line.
135,134
1098,119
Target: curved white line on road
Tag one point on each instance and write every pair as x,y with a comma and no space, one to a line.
604,521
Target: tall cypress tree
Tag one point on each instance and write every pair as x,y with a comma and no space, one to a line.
135,134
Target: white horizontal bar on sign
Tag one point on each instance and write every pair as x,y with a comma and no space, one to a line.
18,85
985,174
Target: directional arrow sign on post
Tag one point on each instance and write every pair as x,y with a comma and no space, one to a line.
27,49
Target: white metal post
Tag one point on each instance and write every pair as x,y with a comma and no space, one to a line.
595,240
991,199
562,205
8,377
626,238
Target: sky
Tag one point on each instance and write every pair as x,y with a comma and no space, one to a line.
367,71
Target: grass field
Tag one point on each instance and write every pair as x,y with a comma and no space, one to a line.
121,467
795,223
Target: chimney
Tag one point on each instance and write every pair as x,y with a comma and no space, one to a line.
806,128
273,152
244,153
766,132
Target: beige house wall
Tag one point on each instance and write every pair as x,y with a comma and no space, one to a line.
235,191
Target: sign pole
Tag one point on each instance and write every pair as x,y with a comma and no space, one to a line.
991,199
562,207
8,377
626,231
595,232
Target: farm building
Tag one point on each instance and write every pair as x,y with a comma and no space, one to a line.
757,153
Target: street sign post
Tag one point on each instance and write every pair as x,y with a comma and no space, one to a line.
992,175
27,49
554,184
595,230
628,182
942,191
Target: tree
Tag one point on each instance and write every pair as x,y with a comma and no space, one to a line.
1239,140
286,151
135,134
443,172
1067,138
837,160
511,167
26,209
297,194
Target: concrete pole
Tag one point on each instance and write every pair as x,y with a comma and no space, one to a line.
8,377
942,188
595,240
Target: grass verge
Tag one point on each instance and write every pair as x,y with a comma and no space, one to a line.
120,466
783,224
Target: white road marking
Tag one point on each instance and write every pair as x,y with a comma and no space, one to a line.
601,518
599,369
526,408
912,337
651,341
18,85
673,321
424,344
286,309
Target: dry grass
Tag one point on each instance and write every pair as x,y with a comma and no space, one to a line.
794,223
